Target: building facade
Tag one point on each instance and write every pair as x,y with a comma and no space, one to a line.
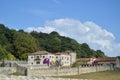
59,59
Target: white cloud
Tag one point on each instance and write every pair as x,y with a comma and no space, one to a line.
87,32
45,29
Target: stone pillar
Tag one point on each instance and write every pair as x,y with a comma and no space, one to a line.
28,72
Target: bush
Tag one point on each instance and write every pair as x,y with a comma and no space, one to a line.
75,64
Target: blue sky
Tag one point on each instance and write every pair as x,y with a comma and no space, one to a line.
95,22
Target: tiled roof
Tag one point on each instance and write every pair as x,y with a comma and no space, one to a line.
109,59
61,53
64,53
105,59
83,59
45,52
40,53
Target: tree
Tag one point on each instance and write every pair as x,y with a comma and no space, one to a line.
24,43
11,56
3,56
6,38
85,50
24,56
3,53
100,54
54,45
54,34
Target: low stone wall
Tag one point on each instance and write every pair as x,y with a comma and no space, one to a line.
21,69
43,70
117,68
51,72
67,71
7,70
38,66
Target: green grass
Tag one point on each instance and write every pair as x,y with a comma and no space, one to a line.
105,75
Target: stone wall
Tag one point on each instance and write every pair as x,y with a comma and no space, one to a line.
38,66
41,70
7,70
21,69
67,71
118,62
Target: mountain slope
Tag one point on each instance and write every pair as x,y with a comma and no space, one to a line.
20,43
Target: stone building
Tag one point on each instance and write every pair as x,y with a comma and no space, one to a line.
60,59
108,60
118,62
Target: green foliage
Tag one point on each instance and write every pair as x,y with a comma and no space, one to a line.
53,42
24,43
99,54
75,64
6,38
85,51
18,43
11,56
24,56
3,53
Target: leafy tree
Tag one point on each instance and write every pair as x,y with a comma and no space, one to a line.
6,38
53,42
100,54
18,43
85,50
3,56
24,43
54,45
42,38
74,45
11,56
65,44
3,53
54,34
24,56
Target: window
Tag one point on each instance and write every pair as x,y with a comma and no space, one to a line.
43,56
67,58
37,57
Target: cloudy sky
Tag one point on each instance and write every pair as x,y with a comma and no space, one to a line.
95,22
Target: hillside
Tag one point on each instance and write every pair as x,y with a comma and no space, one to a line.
18,44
